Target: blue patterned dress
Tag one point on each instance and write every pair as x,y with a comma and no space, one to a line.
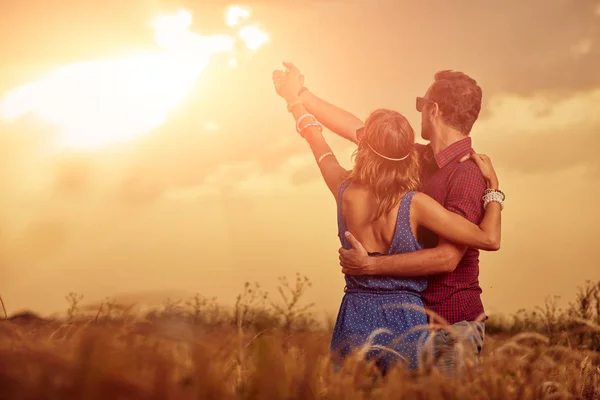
379,302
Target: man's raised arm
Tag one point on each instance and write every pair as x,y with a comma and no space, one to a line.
337,120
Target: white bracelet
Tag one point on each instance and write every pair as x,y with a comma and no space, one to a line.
493,197
312,124
300,120
323,157
496,190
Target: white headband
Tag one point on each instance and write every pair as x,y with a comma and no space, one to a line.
388,158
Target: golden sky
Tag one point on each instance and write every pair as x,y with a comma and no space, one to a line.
225,191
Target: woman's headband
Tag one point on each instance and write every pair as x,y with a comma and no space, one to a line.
388,158
360,132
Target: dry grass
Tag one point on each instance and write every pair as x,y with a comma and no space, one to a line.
262,350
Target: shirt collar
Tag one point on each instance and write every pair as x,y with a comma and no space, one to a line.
452,152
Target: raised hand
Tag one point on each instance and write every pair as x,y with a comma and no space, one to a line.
289,82
295,70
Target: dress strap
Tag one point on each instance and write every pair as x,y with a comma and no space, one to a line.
403,227
340,217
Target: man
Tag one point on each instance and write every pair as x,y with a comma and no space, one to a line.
448,110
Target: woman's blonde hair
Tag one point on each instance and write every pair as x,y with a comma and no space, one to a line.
387,134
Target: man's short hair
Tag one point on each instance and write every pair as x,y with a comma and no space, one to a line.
458,97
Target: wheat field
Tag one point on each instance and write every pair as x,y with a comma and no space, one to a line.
267,348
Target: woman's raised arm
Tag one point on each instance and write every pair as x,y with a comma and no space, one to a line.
287,86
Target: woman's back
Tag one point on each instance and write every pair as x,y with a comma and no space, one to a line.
388,306
390,234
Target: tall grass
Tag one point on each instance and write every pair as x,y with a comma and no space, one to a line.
265,348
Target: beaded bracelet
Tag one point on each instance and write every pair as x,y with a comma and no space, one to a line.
301,118
315,124
493,197
486,203
496,191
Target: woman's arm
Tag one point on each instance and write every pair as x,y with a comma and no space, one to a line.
432,215
331,170
429,213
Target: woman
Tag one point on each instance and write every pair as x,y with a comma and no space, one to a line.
377,200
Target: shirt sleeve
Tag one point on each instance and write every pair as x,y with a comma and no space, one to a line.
466,187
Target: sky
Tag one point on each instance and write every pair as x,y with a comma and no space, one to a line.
224,191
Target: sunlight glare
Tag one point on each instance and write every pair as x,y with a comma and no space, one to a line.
253,36
106,101
234,14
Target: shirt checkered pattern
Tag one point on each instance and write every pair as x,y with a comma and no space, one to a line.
455,296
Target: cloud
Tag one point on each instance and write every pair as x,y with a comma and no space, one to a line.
542,113
306,174
46,236
514,46
520,52
542,133
139,190
72,176
582,47
250,179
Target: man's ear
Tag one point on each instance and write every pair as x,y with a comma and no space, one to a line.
435,110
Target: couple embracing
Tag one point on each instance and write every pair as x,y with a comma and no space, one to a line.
411,221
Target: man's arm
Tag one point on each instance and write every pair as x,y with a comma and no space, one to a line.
465,189
441,259
337,120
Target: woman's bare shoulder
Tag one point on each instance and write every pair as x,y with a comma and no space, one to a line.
356,194
357,200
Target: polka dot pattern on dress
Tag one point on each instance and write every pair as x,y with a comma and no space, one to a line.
382,312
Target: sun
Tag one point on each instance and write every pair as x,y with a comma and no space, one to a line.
95,103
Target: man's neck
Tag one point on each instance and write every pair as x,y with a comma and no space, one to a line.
444,139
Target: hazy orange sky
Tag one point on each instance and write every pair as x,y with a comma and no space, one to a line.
226,191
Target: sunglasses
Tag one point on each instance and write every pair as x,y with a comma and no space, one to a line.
421,101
